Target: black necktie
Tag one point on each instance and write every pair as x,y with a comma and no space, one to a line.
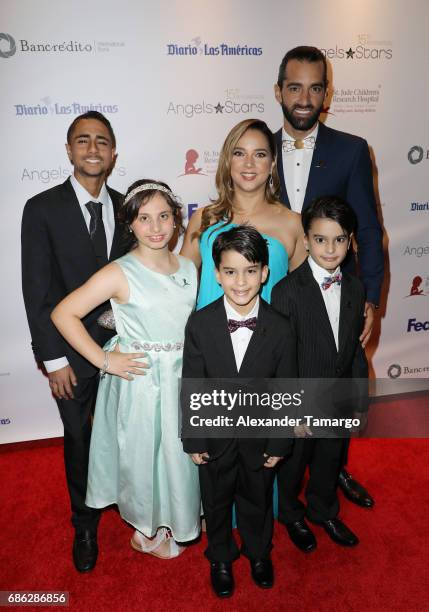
96,232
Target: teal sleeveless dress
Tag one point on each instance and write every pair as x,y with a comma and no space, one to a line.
136,457
210,290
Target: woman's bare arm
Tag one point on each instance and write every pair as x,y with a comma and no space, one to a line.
191,244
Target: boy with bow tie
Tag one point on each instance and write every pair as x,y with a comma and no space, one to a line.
239,335
326,308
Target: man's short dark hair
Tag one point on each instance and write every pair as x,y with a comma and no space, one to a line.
330,207
243,239
91,115
303,54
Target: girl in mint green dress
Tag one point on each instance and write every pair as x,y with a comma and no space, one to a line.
136,456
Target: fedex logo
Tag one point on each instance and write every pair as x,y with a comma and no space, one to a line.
414,325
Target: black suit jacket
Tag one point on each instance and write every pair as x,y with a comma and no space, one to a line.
298,296
341,166
57,257
208,353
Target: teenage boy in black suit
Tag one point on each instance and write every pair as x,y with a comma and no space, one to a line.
326,309
239,335
68,233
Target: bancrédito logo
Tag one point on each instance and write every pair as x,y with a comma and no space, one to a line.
47,106
198,47
416,154
394,370
7,45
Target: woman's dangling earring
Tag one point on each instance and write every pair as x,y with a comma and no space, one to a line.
270,181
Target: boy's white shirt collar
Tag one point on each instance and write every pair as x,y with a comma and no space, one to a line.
320,273
83,196
233,314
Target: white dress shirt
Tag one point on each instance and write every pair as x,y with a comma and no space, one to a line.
241,337
83,197
296,169
331,296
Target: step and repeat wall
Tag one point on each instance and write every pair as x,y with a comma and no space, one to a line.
173,78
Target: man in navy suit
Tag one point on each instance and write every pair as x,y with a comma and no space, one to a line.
68,233
313,161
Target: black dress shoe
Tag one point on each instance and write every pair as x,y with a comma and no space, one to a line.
262,573
339,533
301,535
354,491
222,578
85,550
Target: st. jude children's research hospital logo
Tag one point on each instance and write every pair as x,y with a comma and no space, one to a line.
198,47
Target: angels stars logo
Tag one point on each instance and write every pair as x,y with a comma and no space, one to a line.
225,107
358,52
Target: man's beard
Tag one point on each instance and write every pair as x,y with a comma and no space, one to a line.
301,123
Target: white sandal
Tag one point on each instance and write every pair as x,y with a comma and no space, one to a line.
150,545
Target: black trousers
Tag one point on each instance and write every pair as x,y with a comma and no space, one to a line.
229,479
76,417
325,459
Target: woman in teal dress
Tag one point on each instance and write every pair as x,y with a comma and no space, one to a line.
136,456
248,190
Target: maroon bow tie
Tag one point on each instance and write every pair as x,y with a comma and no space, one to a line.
249,323
330,280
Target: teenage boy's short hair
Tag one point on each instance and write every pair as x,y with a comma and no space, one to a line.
92,115
330,207
243,239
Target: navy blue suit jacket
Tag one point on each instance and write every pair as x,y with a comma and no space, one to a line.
341,166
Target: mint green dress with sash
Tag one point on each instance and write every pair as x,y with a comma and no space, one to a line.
136,457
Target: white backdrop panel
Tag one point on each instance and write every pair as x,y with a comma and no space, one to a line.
125,59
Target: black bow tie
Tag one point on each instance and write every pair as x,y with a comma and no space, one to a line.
249,323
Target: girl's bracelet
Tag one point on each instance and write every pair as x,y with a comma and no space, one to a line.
105,367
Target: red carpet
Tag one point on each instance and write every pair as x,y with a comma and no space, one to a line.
387,571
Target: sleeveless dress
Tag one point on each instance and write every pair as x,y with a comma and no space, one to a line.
210,290
136,456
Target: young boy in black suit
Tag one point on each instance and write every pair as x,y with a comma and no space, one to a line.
326,309
238,335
